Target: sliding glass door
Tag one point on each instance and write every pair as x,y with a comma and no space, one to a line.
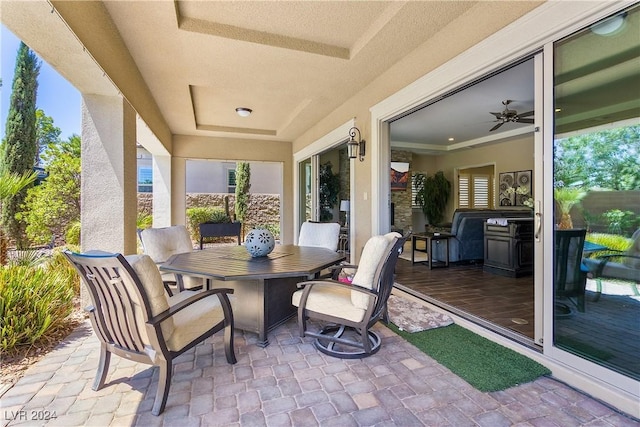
596,192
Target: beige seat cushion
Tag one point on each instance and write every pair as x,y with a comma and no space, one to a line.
320,234
151,281
633,258
374,251
331,300
161,243
194,320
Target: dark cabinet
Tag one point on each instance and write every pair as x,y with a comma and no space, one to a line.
508,247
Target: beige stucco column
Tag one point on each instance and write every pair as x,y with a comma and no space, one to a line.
162,191
178,190
109,181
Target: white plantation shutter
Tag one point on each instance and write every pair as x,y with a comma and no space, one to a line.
481,191
474,191
463,191
414,190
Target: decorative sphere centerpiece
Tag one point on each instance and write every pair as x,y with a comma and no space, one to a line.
259,242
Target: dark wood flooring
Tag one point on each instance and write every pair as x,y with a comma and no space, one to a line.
501,303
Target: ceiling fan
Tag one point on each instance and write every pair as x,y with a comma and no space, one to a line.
508,115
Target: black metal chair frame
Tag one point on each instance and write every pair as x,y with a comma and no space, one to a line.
329,338
114,286
571,279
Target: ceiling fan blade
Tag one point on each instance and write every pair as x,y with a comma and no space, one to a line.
528,113
496,126
526,121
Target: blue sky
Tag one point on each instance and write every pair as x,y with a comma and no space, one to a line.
56,97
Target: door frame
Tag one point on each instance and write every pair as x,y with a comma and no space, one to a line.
333,139
524,37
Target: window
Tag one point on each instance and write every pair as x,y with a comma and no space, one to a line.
414,190
145,180
475,188
231,180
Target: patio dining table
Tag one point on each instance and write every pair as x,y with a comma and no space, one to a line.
262,286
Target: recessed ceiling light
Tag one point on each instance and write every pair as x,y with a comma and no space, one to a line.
243,112
451,139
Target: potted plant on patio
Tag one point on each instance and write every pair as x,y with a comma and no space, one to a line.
432,195
566,198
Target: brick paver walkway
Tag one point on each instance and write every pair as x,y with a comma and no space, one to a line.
288,383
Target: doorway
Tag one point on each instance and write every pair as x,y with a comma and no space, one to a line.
473,135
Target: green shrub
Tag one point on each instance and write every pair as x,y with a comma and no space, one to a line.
33,303
614,242
196,216
620,222
144,221
72,236
27,258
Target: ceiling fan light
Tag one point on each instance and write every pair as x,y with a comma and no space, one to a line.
244,112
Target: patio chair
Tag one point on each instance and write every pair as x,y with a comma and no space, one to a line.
320,234
134,319
621,266
160,244
570,277
348,311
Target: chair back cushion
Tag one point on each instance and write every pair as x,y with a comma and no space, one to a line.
373,256
151,281
161,243
320,234
632,260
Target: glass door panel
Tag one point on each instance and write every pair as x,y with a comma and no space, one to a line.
596,175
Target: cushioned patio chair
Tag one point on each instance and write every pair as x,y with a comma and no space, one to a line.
348,311
621,266
320,234
160,244
134,319
570,277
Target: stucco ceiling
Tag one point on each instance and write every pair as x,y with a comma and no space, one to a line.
291,62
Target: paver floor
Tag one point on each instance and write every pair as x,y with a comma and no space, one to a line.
288,383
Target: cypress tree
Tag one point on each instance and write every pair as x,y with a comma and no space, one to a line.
243,184
20,147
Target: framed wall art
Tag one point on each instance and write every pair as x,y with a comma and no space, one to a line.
515,188
399,176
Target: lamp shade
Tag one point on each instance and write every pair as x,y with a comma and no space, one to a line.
344,206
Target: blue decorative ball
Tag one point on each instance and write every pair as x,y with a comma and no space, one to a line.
259,242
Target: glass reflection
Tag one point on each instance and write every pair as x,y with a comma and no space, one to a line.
597,193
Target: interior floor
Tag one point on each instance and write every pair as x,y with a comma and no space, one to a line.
504,304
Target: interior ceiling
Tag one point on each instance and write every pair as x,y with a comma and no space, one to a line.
466,115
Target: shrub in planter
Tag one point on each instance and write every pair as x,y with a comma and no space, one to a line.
33,303
196,216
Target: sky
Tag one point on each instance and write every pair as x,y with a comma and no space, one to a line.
56,96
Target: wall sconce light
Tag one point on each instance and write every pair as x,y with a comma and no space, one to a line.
356,147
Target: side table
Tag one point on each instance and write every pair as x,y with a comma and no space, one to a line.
429,239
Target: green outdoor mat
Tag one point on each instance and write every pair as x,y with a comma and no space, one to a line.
482,363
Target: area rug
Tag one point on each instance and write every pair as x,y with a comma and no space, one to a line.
414,317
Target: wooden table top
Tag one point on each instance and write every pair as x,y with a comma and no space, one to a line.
235,263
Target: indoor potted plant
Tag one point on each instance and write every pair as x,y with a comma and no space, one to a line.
432,195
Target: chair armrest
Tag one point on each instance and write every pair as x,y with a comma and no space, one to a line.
604,259
222,295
